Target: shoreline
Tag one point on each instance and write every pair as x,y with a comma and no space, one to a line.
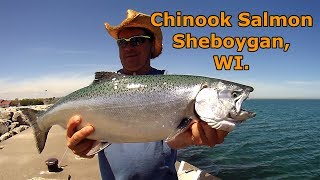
13,121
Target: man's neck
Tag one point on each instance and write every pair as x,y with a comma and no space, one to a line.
143,71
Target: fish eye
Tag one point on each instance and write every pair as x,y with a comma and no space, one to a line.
234,94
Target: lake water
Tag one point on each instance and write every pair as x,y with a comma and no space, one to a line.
281,142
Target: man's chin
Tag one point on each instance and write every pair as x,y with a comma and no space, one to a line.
132,58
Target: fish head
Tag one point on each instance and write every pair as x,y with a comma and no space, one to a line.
219,104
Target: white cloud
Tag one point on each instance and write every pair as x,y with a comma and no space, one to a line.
45,86
285,90
63,84
290,89
303,83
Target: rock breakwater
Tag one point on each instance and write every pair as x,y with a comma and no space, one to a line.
13,121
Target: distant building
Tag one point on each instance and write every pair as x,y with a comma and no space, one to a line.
5,103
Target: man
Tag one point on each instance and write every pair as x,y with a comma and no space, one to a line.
139,42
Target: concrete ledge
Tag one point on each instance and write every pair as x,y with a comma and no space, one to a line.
19,158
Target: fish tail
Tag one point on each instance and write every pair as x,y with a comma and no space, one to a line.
39,134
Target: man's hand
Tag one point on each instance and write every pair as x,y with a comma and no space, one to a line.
76,139
199,134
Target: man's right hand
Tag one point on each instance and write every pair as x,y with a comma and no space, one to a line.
76,139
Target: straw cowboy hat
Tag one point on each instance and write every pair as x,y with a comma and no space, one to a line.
137,19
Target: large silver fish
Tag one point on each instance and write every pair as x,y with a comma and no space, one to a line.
145,108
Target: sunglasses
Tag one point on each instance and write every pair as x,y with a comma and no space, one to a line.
134,41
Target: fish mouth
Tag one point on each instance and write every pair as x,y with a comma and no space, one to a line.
244,96
242,114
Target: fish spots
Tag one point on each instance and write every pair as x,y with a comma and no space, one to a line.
115,85
171,122
133,86
221,85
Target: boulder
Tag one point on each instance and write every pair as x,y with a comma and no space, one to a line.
13,121
21,118
3,129
16,115
19,129
5,122
41,107
6,136
4,126
13,125
6,115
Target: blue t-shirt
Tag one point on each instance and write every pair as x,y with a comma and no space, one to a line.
152,160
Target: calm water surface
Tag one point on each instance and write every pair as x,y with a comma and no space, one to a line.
281,142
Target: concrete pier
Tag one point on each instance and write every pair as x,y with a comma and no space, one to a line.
20,160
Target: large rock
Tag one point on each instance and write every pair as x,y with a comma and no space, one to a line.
6,136
19,129
13,121
4,126
3,129
6,115
13,125
16,115
21,118
42,107
5,122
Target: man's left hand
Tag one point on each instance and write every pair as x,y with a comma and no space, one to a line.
198,134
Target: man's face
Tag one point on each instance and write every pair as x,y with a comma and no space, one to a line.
135,58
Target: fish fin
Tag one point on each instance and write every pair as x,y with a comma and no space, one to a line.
184,124
102,76
97,147
39,134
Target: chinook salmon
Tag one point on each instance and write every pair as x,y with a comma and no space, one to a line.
145,108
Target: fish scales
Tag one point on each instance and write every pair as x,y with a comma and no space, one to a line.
123,109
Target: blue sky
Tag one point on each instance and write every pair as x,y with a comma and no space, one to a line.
57,46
